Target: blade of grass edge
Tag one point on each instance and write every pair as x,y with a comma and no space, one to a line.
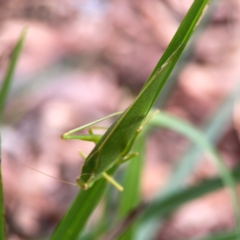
10,71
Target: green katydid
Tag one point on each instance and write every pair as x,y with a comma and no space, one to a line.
114,146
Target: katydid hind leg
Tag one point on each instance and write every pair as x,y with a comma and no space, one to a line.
112,181
83,155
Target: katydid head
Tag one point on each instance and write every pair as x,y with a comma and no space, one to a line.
63,136
82,184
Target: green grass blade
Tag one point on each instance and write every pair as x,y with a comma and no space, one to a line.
2,218
169,203
130,197
197,137
181,37
221,236
183,33
173,52
167,121
4,91
77,216
75,219
213,130
10,71
170,84
159,76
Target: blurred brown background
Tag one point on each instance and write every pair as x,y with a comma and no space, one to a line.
83,60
